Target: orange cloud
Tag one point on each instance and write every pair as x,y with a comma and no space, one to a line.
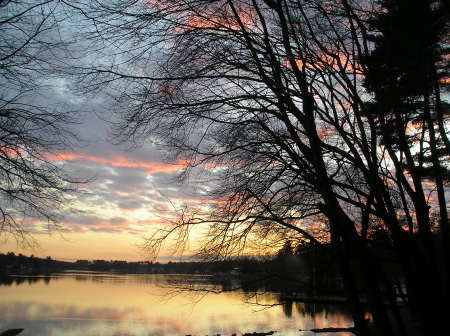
218,16
339,62
120,161
11,152
325,132
225,20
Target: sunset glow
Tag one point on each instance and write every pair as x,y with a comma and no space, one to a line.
116,160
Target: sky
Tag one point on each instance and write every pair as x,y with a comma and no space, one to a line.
132,190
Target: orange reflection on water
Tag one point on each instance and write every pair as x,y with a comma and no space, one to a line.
105,305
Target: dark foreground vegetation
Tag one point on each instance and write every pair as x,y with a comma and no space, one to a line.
11,332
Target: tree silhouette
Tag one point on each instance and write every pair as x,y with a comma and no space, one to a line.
289,109
401,73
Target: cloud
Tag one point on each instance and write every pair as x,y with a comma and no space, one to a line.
117,160
94,223
130,204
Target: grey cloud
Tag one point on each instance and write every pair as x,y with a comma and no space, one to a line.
130,204
129,179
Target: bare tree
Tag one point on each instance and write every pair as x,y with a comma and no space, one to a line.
269,96
31,129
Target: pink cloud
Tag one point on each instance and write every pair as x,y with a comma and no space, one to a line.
115,160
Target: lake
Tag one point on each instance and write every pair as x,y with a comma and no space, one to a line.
106,304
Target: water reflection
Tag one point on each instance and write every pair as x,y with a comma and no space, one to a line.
18,280
110,304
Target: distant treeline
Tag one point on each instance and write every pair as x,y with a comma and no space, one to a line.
10,263
290,267
182,267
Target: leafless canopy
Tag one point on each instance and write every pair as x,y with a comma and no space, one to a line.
270,94
271,97
31,187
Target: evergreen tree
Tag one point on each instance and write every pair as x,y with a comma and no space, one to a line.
403,72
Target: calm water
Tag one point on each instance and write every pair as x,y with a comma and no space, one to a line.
95,304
